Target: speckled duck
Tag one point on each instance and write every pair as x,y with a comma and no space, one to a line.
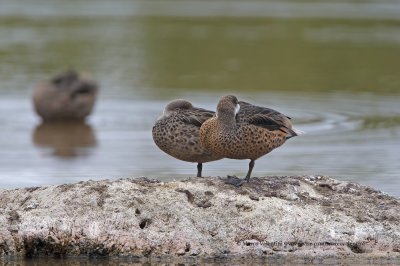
244,131
177,132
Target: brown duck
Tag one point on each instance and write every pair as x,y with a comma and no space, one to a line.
66,97
244,131
177,131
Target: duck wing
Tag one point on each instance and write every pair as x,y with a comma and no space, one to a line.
197,116
264,117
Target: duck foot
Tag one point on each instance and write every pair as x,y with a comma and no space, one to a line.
233,180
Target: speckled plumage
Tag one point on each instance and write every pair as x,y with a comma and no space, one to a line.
251,133
177,131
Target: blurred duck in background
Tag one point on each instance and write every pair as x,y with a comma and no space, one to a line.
63,104
66,97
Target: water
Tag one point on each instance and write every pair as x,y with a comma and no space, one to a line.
332,66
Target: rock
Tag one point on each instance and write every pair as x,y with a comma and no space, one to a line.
207,219
180,252
194,252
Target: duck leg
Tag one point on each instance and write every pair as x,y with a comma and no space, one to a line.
199,168
251,165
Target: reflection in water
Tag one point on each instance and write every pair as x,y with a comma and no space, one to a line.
66,139
268,55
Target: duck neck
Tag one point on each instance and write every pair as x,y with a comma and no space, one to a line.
227,121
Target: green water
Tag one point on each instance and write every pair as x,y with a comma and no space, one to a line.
332,66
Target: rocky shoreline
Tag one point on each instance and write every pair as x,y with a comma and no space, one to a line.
301,218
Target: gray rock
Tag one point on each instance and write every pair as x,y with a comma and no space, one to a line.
297,216
194,252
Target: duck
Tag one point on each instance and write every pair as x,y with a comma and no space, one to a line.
177,133
241,131
66,97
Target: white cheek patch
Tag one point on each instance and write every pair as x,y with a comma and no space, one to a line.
237,109
166,113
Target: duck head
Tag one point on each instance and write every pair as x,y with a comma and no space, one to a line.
174,105
227,109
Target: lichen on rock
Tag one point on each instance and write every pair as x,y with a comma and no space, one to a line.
297,216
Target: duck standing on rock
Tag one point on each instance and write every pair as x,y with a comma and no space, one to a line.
177,131
244,131
66,97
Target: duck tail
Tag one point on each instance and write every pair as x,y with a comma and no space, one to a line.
298,132
294,132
